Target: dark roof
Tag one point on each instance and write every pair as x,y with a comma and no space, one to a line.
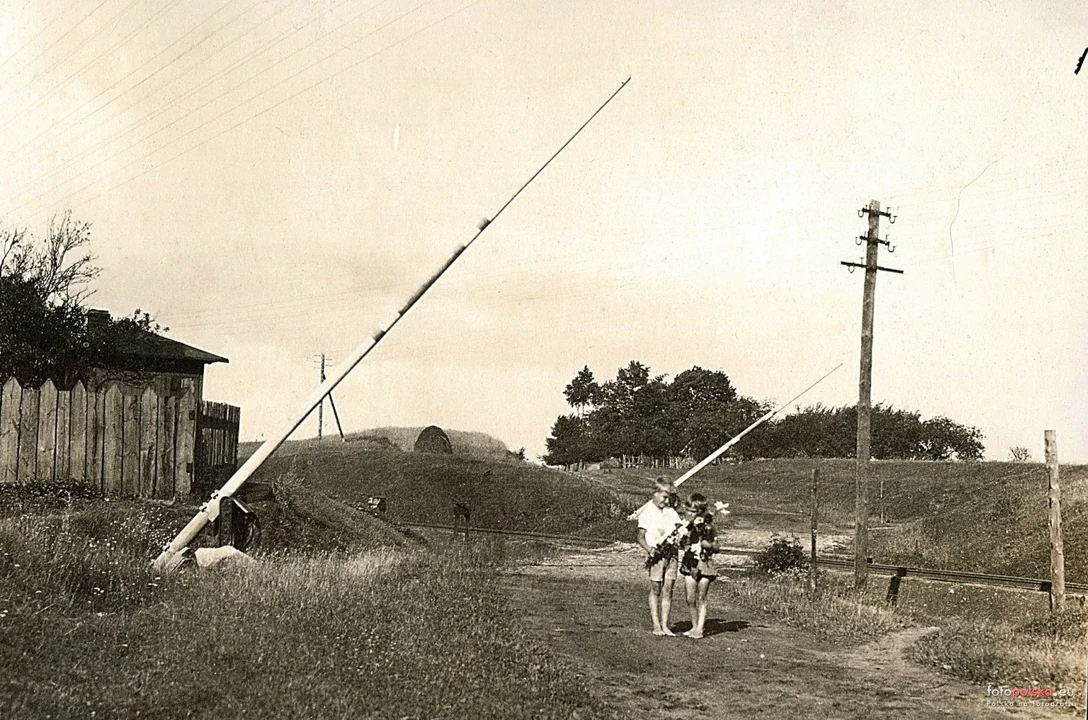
150,345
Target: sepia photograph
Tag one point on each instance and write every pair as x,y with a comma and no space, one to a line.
457,359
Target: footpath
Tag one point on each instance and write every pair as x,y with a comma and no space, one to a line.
590,608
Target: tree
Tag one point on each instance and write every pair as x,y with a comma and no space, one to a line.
567,443
946,440
583,391
44,332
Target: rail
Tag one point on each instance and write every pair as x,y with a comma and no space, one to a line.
846,561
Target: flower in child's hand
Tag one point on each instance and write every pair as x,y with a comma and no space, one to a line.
721,508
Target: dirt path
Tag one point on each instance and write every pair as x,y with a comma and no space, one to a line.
591,608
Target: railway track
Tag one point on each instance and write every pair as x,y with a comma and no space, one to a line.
831,561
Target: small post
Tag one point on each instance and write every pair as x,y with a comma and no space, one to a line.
815,513
225,536
1054,499
461,513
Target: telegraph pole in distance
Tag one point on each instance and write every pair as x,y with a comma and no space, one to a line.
321,405
332,404
865,387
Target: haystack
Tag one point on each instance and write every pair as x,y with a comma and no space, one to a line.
433,439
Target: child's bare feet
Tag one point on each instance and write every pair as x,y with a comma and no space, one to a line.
667,632
686,633
659,632
694,635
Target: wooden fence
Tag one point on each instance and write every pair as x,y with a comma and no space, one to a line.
115,439
216,445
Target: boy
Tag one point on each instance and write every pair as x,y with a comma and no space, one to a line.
655,523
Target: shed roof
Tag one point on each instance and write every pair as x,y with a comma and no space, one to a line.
150,345
153,345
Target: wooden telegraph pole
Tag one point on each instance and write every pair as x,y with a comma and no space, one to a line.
865,386
814,512
332,404
1054,500
321,407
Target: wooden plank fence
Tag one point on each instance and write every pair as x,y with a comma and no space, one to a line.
217,444
115,439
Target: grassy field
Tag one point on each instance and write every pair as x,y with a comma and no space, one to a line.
347,613
985,517
392,629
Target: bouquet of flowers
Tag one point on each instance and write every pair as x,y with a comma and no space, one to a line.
669,548
701,528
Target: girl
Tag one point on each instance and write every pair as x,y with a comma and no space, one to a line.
697,564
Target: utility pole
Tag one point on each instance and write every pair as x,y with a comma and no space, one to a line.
332,404
865,387
321,406
1054,501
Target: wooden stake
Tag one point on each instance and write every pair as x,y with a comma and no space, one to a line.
1057,556
815,514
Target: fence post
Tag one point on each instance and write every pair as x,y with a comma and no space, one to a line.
113,451
80,425
62,454
815,514
28,436
1054,499
10,420
47,432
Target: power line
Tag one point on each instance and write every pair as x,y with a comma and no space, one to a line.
55,42
62,122
179,99
246,101
78,47
79,73
281,102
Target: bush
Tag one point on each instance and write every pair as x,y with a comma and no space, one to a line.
781,556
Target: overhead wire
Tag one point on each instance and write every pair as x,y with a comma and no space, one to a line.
62,122
53,44
239,105
42,99
281,102
111,22
176,101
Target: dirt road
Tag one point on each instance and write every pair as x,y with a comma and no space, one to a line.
591,608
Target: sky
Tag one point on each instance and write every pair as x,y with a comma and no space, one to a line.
272,179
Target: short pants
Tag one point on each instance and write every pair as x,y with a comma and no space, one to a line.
664,570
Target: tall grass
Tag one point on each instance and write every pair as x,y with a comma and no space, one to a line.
835,613
1038,649
1047,653
389,632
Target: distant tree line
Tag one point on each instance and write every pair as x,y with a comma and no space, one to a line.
700,410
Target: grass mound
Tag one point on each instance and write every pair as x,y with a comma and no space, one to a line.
300,519
466,444
423,488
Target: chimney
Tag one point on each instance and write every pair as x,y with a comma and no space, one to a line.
97,319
